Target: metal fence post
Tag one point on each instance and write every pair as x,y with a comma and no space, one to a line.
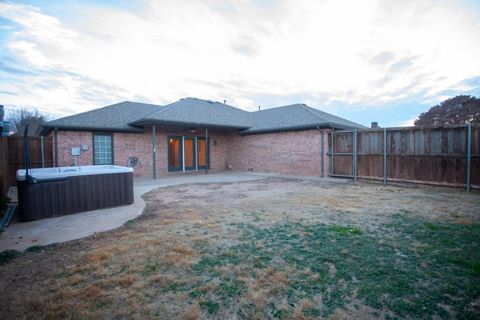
384,156
207,151
331,154
322,151
469,154
43,151
355,155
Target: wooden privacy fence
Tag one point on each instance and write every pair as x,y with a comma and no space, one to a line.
4,182
439,155
40,151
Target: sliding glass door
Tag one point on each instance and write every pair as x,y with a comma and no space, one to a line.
187,153
190,157
175,161
202,153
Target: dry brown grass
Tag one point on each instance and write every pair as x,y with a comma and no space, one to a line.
270,281
180,255
193,313
144,270
98,256
127,280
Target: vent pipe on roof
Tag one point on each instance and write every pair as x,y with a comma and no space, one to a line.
224,101
259,108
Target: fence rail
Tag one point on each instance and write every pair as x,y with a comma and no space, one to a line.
441,156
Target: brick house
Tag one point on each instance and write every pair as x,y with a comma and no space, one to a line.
193,134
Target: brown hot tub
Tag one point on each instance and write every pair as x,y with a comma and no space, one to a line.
59,191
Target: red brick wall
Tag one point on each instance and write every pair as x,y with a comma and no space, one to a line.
294,152
219,147
139,145
69,139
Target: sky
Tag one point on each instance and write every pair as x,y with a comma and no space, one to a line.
369,60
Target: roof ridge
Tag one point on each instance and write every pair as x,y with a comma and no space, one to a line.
311,111
162,110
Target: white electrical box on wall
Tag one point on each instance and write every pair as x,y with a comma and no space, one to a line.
75,151
84,147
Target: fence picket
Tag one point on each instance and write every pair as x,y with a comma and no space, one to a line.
415,154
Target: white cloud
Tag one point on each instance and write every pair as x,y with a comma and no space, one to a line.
355,52
407,123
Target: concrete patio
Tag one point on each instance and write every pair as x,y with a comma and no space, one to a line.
22,235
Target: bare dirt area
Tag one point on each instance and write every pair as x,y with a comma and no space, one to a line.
273,248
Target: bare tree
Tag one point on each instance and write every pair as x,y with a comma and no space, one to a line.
19,118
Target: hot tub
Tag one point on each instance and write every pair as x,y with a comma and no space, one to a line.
59,191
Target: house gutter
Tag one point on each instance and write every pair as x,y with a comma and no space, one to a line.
45,129
324,125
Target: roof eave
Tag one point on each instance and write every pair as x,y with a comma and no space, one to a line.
322,125
46,128
144,122
285,129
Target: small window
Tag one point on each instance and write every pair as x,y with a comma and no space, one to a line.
102,149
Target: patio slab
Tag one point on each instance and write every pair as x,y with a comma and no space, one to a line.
22,235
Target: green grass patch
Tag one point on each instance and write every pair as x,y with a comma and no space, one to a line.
151,268
211,307
311,312
8,255
232,288
408,266
345,231
281,314
197,293
35,249
431,226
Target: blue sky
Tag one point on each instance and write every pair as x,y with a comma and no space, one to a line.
371,60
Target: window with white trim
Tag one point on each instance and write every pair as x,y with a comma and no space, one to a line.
102,148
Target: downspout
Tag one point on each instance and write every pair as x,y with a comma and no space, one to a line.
154,152
55,136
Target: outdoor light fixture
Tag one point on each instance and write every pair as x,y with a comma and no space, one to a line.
192,130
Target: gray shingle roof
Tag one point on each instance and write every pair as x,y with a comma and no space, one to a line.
114,117
193,111
131,116
296,116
